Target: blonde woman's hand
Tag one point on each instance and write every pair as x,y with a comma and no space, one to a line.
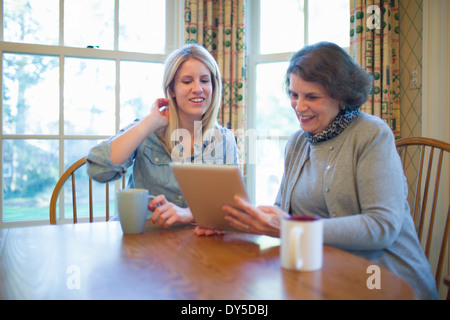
159,112
166,214
123,145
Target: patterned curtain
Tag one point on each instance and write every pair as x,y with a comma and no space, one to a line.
219,26
374,44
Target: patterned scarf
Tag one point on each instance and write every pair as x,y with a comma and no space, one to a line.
343,119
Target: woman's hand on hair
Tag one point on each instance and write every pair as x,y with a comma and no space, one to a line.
123,145
160,113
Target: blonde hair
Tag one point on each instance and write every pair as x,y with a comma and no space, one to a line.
172,65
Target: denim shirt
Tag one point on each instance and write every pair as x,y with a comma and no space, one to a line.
151,164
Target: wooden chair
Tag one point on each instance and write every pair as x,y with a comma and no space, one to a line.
421,152
70,172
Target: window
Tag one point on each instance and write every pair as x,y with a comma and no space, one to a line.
277,32
71,77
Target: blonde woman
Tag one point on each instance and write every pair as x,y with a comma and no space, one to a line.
181,127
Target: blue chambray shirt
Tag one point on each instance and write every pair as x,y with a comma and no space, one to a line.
151,164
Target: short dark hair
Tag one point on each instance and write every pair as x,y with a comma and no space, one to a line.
328,64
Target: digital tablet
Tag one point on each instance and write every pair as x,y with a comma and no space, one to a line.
207,188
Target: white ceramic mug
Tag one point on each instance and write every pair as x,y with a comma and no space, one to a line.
301,243
132,206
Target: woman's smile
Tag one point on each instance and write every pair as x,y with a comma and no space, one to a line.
305,119
198,100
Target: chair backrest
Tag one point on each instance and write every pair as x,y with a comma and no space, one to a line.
421,153
70,172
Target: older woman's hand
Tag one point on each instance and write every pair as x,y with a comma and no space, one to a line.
260,220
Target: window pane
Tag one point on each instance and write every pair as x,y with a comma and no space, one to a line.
27,182
89,23
142,25
89,96
30,94
281,26
140,86
329,20
75,149
274,114
269,170
274,117
31,21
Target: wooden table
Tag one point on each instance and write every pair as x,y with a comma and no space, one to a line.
97,261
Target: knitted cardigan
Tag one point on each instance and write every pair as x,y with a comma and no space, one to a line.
365,191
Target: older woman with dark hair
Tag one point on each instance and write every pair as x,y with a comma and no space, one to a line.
342,166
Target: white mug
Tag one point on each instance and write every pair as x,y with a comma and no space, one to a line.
132,206
301,243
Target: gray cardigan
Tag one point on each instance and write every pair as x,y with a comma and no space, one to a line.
365,191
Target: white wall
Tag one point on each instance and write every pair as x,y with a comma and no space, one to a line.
436,89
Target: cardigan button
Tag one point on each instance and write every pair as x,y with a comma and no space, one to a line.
327,189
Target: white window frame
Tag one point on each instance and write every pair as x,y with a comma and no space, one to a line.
174,39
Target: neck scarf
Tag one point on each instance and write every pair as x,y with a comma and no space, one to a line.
343,119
